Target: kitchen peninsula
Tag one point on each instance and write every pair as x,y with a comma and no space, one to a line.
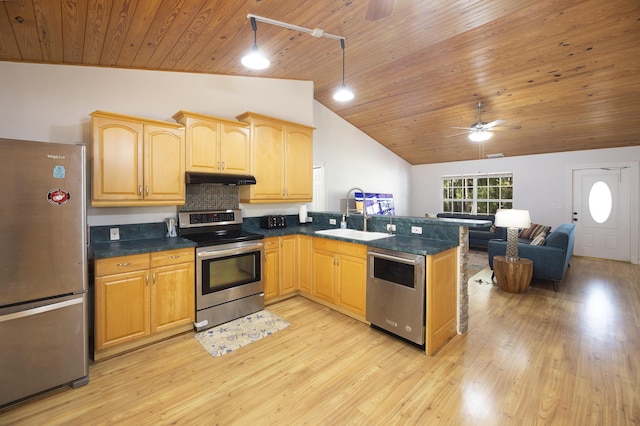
437,239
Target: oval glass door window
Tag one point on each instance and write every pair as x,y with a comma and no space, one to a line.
600,202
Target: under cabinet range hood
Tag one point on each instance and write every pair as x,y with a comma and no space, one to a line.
222,178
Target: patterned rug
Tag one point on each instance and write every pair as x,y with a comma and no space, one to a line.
482,278
235,334
478,268
477,261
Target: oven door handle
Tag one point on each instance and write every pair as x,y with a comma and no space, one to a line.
394,258
229,251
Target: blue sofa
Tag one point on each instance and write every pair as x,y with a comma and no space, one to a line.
479,237
550,260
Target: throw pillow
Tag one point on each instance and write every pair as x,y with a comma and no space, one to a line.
539,240
534,230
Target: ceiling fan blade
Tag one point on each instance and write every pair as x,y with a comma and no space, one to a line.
463,128
379,9
494,123
456,134
514,127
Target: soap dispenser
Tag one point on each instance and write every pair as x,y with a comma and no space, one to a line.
343,224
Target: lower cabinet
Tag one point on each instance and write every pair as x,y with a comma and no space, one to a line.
142,298
442,299
280,274
305,262
340,275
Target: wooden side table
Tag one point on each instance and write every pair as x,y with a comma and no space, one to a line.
513,277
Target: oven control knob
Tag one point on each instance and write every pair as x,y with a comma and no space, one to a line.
408,328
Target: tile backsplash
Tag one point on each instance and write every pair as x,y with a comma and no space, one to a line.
211,196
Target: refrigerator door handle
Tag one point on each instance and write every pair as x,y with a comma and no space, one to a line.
39,310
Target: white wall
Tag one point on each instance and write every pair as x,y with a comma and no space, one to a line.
353,159
52,103
542,183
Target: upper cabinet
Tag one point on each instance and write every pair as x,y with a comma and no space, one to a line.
215,145
281,160
136,161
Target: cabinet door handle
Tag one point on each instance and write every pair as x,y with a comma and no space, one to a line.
124,264
222,166
147,190
154,278
175,256
146,279
218,165
139,189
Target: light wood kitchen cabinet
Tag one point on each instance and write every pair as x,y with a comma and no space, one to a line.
136,161
215,145
305,264
142,298
271,268
280,263
340,274
281,160
441,299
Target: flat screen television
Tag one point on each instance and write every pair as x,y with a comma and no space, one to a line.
375,203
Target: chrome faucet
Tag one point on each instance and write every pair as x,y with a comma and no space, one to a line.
364,207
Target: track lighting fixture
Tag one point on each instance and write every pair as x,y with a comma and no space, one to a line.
254,59
343,94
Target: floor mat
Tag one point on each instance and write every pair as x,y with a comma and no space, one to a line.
482,278
235,334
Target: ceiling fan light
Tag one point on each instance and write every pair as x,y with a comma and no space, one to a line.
479,136
255,60
343,94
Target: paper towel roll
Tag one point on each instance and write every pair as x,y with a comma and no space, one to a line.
302,213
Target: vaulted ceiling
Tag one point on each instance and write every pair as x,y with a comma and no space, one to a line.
565,75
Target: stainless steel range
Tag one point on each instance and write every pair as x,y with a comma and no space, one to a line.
228,266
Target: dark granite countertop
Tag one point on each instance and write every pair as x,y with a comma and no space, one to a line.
146,245
414,245
439,235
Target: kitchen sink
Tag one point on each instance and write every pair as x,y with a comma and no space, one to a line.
354,234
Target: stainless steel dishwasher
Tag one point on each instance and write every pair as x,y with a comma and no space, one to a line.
396,293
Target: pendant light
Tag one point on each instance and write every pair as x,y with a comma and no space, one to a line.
343,94
254,59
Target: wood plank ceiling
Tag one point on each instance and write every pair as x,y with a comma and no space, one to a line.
564,75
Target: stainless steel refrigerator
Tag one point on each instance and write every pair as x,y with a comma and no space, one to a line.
43,268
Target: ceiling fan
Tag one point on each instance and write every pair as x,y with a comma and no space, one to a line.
379,9
480,131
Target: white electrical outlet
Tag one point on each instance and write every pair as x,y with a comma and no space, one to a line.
332,221
416,229
391,227
114,234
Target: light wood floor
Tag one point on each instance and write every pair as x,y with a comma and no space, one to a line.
571,357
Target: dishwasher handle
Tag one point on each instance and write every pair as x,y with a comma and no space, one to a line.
393,258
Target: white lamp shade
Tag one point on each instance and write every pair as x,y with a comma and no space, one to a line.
255,60
511,218
343,94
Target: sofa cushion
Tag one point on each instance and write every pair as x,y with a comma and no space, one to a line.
538,240
533,231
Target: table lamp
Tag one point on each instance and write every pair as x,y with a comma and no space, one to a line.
512,220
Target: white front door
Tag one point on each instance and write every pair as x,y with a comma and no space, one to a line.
602,212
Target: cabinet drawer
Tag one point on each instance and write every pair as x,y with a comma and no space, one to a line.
352,249
172,257
325,244
121,264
